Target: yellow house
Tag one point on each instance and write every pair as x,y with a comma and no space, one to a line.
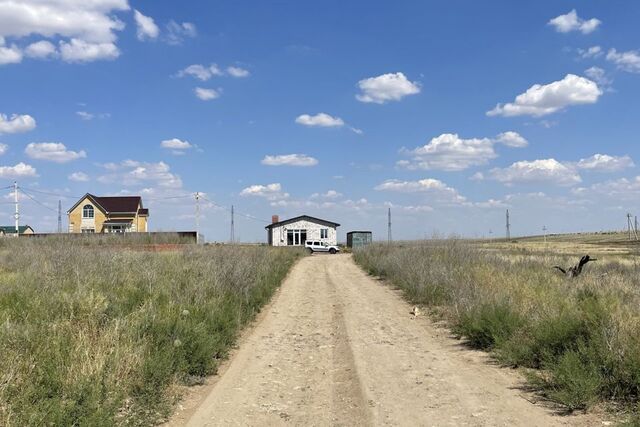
93,214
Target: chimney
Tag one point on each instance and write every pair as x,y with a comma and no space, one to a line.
274,219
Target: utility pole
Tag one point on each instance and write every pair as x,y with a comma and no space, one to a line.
544,230
17,214
59,216
490,235
389,227
508,227
233,231
635,226
631,227
197,217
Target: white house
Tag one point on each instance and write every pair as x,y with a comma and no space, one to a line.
296,231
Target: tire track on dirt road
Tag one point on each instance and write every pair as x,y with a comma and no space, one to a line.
336,347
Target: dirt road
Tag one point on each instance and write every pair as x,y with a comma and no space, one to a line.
337,347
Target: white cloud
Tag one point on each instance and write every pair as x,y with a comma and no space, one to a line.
21,170
176,32
16,123
540,100
546,170
132,173
599,76
78,177
176,144
428,185
41,50
78,50
201,72
320,120
3,149
271,192
591,52
52,152
206,94
147,28
386,87
605,163
572,22
627,61
86,30
9,54
449,152
512,139
330,194
289,160
84,115
237,72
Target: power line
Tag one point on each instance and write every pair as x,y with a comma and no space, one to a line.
36,201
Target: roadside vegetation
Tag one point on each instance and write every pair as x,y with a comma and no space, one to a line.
576,338
95,335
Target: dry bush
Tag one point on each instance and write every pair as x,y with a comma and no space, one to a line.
578,336
97,336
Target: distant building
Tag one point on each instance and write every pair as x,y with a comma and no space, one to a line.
296,231
358,239
9,230
93,214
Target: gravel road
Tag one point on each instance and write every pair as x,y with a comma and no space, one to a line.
337,347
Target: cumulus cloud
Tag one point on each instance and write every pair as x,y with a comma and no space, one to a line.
319,120
146,27
77,50
605,163
386,87
41,50
591,52
545,170
330,194
599,76
17,123
271,192
86,30
428,185
178,32
78,177
52,152
572,22
541,100
176,144
620,189
9,54
21,170
627,61
289,160
449,152
512,139
206,94
133,172
238,72
3,149
201,72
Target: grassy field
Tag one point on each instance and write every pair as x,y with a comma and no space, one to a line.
576,339
93,334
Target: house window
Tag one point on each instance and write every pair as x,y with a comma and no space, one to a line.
87,211
324,233
296,237
88,230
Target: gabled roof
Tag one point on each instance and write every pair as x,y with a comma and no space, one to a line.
303,217
116,204
11,229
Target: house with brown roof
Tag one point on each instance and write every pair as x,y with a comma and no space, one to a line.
121,214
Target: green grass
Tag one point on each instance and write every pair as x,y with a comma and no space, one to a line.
100,336
577,338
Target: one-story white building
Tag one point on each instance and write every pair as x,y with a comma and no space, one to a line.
296,231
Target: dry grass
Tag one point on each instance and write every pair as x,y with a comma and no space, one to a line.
93,335
577,338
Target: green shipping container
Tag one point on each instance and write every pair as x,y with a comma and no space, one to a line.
358,239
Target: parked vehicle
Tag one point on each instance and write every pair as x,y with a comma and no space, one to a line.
318,246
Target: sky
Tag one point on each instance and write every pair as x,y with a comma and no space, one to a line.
447,112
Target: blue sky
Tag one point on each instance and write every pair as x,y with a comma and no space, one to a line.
447,112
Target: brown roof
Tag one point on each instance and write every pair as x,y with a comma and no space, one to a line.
116,204
119,203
